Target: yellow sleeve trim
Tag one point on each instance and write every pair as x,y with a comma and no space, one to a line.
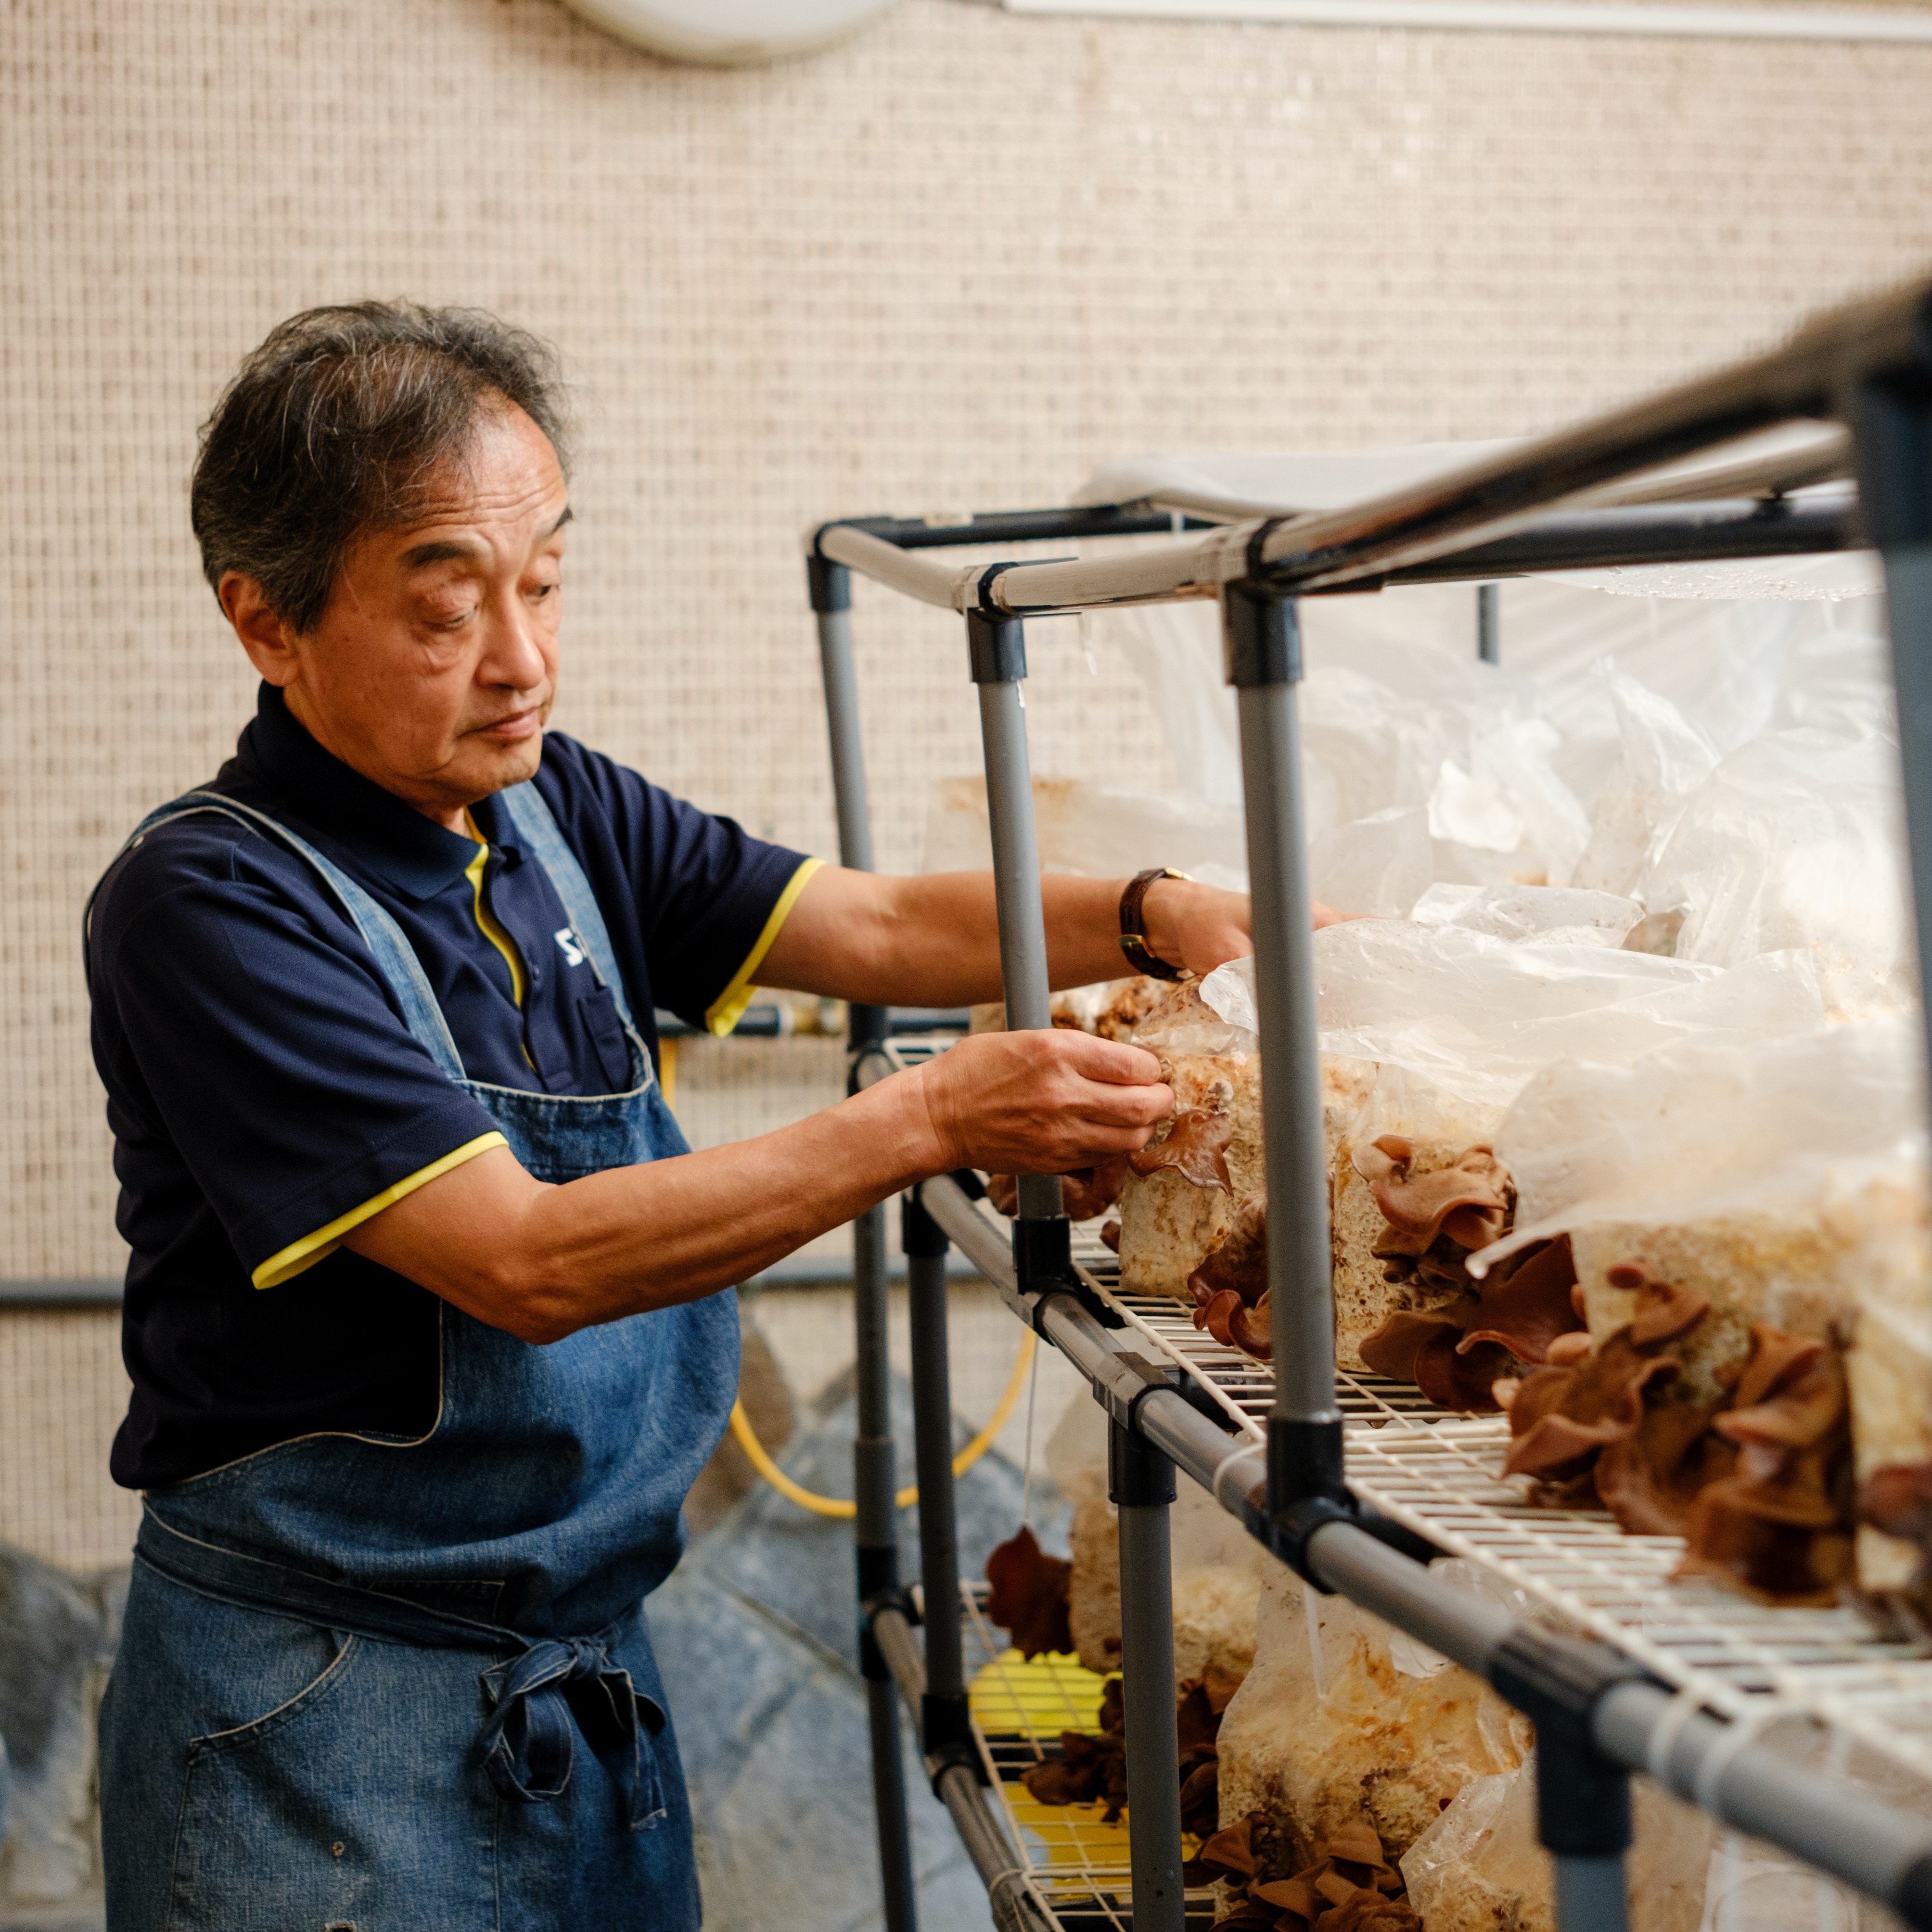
728,1009
324,1242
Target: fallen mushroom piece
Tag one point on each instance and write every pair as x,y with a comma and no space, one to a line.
1030,1596
1466,1201
1196,1146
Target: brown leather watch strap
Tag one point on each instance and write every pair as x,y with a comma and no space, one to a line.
1141,956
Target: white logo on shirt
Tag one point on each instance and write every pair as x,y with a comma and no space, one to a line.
567,944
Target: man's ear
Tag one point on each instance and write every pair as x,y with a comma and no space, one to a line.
267,639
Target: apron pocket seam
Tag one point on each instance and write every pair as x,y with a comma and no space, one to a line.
215,1742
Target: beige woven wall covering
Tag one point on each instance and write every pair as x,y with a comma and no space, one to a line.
954,263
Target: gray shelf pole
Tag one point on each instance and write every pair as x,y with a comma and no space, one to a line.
875,1523
997,650
944,1722
1490,623
1140,1481
1263,664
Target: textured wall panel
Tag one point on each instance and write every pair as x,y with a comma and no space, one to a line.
955,263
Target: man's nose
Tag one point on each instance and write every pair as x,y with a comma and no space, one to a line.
513,654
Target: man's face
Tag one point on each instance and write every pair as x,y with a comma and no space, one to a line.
434,665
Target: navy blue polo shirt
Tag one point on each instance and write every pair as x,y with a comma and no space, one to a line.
265,1096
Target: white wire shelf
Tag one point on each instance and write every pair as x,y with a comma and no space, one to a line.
1830,1679
1076,1863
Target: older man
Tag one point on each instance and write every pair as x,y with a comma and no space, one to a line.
423,1314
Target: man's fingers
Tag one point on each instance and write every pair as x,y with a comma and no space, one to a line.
1127,1106
1110,1061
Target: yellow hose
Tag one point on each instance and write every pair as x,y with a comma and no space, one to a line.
741,1430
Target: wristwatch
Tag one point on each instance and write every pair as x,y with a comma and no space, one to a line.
1141,956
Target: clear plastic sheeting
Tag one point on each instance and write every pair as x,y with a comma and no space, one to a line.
1478,1016
1796,839
1547,915
1479,1867
1713,1127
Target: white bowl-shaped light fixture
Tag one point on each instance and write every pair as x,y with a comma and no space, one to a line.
729,33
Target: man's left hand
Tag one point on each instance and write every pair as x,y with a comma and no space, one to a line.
1202,927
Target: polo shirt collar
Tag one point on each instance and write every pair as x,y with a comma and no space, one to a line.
391,837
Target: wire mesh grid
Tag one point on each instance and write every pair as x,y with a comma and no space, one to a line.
1440,1473
1077,1864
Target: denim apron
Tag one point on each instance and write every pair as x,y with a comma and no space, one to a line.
368,1683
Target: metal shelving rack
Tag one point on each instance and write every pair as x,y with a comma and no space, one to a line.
1353,1482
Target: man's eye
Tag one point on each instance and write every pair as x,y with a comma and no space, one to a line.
540,591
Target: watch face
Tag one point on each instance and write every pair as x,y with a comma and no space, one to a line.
729,33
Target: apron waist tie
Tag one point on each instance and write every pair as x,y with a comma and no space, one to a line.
552,1689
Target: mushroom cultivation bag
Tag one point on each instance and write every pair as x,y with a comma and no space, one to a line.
1795,840
1477,1015
1479,1866
1750,1232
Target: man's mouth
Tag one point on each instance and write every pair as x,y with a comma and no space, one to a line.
514,729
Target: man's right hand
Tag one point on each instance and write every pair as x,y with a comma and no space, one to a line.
1042,1101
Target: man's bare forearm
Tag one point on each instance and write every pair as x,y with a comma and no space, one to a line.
544,1260
934,941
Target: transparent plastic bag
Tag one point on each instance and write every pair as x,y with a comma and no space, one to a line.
1478,1016
1711,1126
1541,915
1328,1732
1663,757
1796,839
1479,1866
1092,830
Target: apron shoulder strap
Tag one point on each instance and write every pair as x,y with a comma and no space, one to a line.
395,958
537,826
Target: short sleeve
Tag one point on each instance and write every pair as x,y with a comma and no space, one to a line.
239,1012
710,897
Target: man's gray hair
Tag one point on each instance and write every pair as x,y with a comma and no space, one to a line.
340,422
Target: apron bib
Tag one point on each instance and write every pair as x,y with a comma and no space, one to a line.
370,1682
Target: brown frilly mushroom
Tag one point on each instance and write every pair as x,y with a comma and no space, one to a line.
1196,1146
1560,1418
1093,1767
1898,1499
1031,1595
1757,1482
1350,1887
1230,1286
1775,1526
1083,1193
1455,1353
1468,1201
